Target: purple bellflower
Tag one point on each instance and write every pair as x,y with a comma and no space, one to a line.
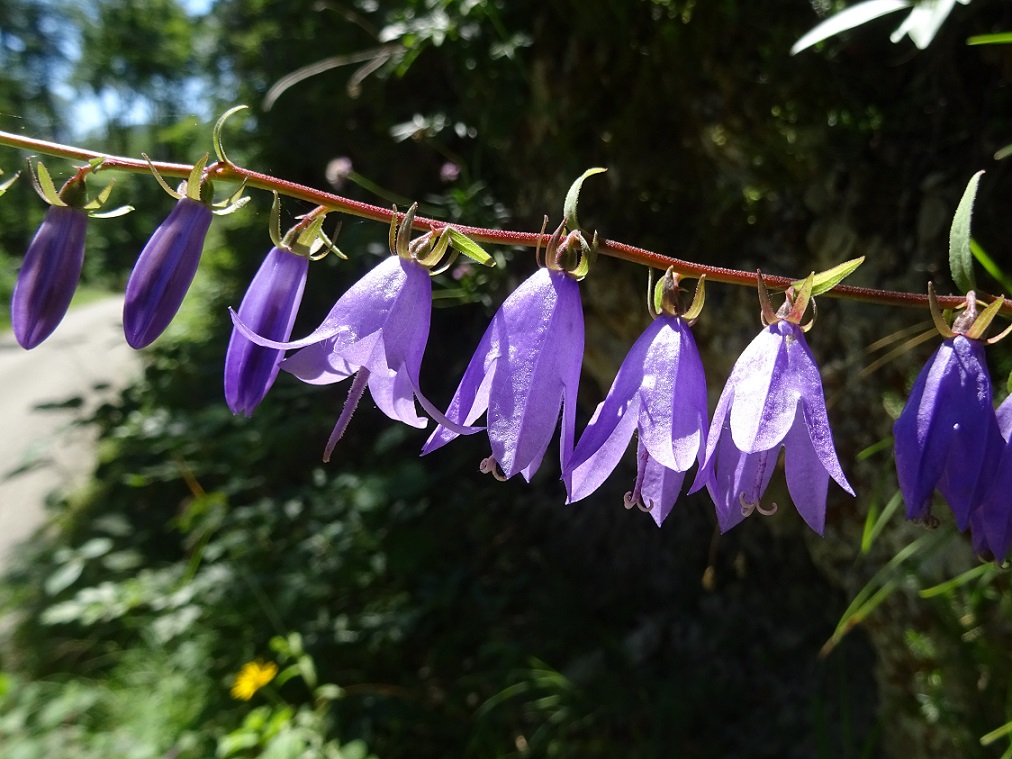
772,399
376,332
164,271
992,521
659,391
525,368
268,309
947,436
52,265
49,275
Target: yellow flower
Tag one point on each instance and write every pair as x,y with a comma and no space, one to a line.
253,676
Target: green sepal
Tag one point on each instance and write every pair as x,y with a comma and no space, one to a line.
233,202
655,293
1003,153
696,308
232,207
825,281
801,298
328,243
984,319
469,247
404,233
100,199
159,178
216,133
588,255
275,222
960,256
6,185
45,187
194,186
936,314
121,211
1008,385
436,250
573,196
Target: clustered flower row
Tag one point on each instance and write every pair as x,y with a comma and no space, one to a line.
526,370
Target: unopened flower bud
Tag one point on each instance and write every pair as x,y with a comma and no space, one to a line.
164,271
49,275
268,309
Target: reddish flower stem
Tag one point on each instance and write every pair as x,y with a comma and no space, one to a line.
232,172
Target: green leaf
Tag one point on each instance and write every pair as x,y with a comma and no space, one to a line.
573,198
1002,38
827,280
990,266
960,257
470,248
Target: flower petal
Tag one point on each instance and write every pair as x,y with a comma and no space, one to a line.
735,476
659,486
765,401
361,311
601,446
672,419
808,385
269,307
807,478
541,333
471,397
949,414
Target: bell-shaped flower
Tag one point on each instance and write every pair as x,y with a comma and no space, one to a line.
525,368
268,309
376,332
659,392
992,521
772,400
947,436
164,271
49,275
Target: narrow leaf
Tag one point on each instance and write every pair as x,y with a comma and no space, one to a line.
470,248
848,18
990,266
826,280
1002,38
960,257
573,198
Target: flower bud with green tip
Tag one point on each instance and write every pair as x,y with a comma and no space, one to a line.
52,265
167,264
269,308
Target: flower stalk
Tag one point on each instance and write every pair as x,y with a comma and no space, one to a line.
231,172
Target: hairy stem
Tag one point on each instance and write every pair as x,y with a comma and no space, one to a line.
624,251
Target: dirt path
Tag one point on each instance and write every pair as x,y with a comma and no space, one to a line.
42,392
